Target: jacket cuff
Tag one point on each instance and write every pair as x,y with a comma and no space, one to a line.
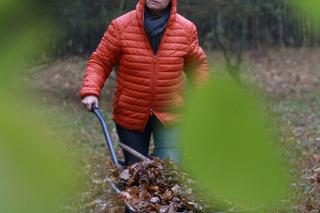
87,92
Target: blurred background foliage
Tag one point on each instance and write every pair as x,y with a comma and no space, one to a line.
239,24
232,26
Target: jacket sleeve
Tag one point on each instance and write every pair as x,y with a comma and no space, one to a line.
101,62
196,64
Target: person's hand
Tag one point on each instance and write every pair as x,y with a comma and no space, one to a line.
90,101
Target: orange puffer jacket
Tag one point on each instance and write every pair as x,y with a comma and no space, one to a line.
147,83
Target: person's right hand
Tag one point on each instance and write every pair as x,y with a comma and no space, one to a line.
89,101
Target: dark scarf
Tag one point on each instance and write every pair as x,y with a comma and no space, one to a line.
155,25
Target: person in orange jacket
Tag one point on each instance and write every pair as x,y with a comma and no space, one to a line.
155,48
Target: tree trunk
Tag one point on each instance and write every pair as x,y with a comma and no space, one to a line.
122,6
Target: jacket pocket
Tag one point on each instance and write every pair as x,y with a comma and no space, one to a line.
116,101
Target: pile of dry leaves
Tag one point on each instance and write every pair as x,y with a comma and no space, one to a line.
158,186
312,203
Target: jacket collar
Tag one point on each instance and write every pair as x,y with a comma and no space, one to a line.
140,11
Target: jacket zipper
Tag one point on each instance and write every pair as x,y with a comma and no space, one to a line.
155,60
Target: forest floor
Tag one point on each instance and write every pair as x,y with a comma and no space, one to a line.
290,78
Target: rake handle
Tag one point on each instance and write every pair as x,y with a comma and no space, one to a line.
106,133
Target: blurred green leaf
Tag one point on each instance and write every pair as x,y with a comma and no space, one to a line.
228,149
15,53
312,7
6,4
36,176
